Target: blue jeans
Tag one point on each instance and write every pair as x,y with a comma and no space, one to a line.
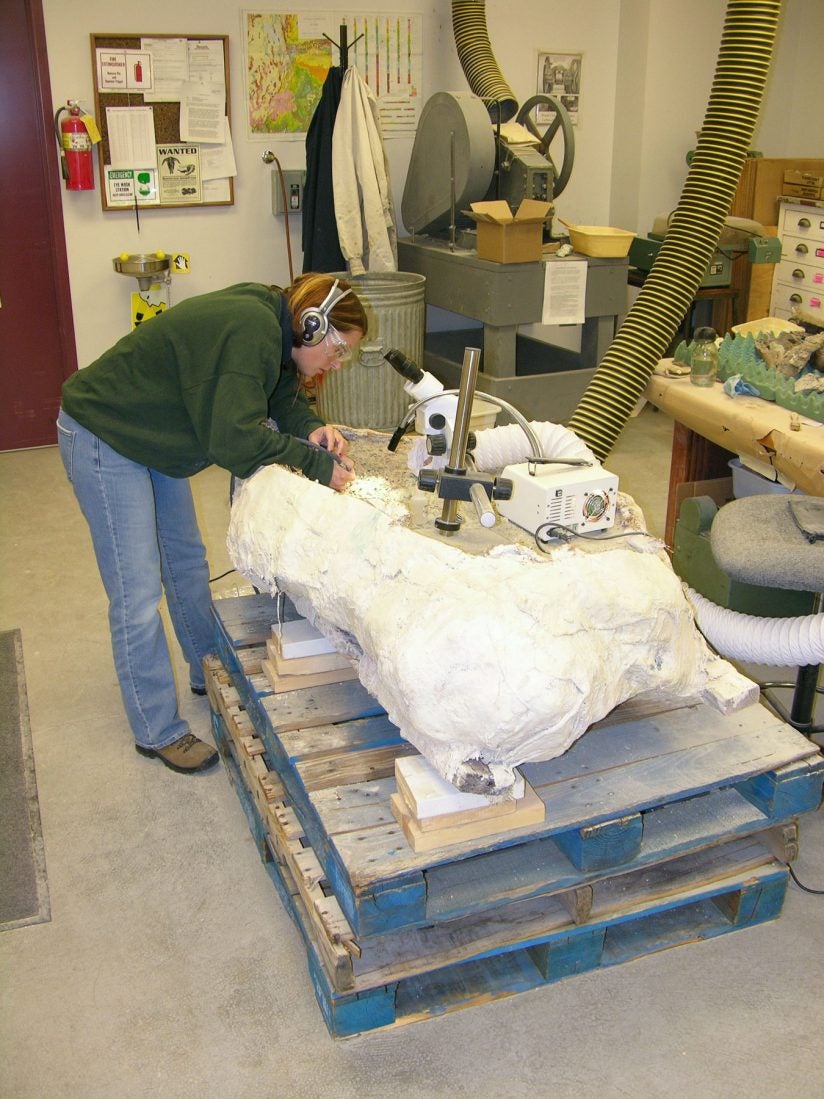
146,540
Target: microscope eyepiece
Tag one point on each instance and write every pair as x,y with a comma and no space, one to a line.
405,367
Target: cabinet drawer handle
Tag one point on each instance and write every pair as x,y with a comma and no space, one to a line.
801,249
796,298
798,273
803,223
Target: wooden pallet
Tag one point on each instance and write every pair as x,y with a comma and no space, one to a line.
642,788
386,980
661,828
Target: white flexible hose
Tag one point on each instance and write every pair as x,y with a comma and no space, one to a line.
786,642
497,447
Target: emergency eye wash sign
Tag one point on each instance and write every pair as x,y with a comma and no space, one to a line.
127,186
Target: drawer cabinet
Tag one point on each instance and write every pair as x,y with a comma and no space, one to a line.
798,280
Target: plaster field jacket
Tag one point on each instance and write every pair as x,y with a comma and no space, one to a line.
360,179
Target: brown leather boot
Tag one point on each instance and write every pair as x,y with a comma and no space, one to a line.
186,755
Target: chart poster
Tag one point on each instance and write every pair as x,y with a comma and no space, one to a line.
288,56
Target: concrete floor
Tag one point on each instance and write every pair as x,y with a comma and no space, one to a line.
170,969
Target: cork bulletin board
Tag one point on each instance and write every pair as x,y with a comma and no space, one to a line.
145,161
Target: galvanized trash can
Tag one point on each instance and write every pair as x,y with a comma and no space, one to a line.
367,392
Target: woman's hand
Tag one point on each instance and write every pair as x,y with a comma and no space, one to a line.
330,439
342,474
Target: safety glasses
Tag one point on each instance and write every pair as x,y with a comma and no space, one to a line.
337,346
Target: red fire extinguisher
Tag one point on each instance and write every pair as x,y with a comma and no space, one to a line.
75,148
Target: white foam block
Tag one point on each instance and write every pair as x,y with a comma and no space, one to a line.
432,795
300,638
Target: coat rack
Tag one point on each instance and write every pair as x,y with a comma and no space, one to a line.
343,45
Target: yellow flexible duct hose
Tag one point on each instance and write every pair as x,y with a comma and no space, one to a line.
477,60
745,54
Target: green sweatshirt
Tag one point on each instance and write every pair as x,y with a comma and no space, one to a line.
195,385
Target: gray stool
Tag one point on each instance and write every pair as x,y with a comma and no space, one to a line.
777,541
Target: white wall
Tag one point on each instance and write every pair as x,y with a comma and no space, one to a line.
647,71
672,71
792,122
226,244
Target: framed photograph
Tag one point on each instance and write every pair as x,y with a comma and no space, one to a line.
559,75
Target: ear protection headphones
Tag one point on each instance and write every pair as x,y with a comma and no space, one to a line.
314,321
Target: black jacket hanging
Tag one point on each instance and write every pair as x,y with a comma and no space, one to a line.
321,247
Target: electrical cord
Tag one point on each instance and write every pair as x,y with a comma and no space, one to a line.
556,531
285,201
806,888
214,579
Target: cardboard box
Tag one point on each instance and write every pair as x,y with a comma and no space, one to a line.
504,237
803,184
719,490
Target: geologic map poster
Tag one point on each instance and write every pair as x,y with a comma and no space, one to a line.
287,57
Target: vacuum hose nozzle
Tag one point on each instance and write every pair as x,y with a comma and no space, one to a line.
405,367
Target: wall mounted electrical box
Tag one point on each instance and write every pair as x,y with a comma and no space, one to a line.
293,182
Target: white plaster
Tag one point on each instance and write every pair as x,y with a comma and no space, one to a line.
501,657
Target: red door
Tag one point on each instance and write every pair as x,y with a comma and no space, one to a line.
37,350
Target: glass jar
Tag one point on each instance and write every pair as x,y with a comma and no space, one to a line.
704,361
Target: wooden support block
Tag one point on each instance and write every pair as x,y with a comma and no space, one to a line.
271,786
754,902
435,803
529,810
336,924
308,866
258,768
300,638
229,696
287,821
305,665
249,659
795,788
280,684
602,845
578,902
782,841
567,955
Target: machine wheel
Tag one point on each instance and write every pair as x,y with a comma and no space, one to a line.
561,122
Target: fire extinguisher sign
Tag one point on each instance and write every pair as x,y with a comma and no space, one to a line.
124,71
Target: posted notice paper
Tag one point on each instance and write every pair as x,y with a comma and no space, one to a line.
565,287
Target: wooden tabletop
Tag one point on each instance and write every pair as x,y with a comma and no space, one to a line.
745,425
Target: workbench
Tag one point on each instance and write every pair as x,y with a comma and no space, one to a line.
710,428
541,380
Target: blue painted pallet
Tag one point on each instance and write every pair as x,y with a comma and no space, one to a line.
638,789
628,794
416,974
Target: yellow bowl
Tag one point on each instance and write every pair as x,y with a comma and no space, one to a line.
600,241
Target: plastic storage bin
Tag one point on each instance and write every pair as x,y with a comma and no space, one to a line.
746,482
